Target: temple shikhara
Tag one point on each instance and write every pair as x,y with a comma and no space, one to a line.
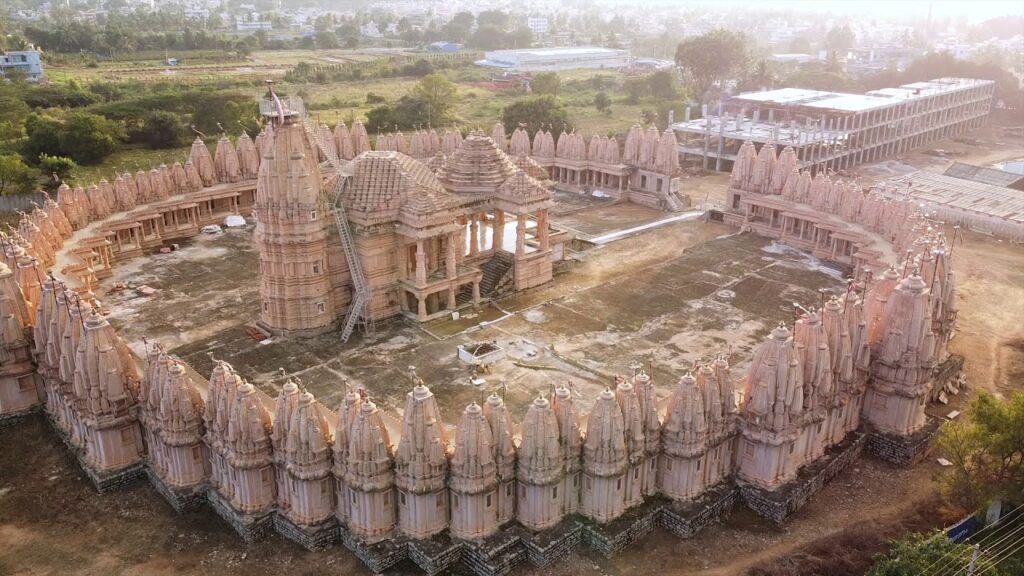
423,226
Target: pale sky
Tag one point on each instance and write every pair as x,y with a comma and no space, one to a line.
975,10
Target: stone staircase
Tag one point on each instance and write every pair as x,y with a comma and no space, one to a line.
497,279
496,270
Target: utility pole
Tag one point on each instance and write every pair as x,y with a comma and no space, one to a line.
974,559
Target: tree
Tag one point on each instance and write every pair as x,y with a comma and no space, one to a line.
407,113
987,452
56,169
459,27
438,93
534,113
711,58
43,133
839,40
921,554
163,129
88,138
662,85
636,88
603,103
489,37
15,176
496,18
546,83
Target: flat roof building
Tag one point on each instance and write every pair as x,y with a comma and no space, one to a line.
28,61
546,59
835,130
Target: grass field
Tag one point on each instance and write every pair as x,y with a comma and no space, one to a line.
130,159
477,104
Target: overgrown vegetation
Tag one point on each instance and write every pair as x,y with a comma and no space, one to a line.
987,452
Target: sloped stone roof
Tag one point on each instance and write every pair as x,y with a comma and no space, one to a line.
386,183
476,167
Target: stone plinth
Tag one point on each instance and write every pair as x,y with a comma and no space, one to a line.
251,527
779,504
904,451
181,499
686,519
612,537
312,538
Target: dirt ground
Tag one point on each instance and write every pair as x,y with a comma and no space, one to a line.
666,297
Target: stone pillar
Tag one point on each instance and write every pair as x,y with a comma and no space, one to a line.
421,264
451,270
499,230
520,235
542,230
474,236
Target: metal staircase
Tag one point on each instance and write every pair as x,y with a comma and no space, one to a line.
359,307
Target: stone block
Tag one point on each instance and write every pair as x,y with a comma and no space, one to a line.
779,504
312,538
251,527
905,451
182,500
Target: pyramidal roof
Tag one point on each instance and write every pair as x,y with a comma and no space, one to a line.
477,166
386,182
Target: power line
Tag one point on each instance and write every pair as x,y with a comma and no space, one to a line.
995,561
1003,537
943,569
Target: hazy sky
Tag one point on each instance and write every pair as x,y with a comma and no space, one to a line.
975,10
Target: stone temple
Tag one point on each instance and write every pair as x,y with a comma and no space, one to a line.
348,236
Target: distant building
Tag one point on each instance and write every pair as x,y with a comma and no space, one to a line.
447,47
836,131
28,61
253,26
537,25
544,59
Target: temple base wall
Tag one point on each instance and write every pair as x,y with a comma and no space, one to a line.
496,555
779,504
104,482
13,418
251,527
612,537
686,519
547,547
904,451
181,499
312,538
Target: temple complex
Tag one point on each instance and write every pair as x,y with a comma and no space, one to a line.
419,229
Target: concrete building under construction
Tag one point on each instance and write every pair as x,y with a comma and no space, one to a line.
835,131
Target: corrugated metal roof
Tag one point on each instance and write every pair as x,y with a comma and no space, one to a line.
985,175
964,195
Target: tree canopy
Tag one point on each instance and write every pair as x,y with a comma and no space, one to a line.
15,176
987,452
534,113
438,93
920,554
545,83
711,58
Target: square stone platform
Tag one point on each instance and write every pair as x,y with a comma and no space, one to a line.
779,504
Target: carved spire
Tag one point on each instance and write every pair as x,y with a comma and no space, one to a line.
541,458
604,450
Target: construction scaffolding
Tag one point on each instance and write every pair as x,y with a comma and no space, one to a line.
836,131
